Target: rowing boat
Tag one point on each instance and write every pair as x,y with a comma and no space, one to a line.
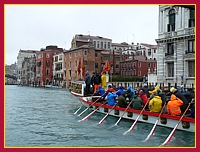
187,123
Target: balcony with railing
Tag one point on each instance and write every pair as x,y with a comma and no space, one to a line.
177,33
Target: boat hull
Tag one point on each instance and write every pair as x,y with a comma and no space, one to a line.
187,123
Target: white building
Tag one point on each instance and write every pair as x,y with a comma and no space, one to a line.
176,45
22,54
123,48
147,50
142,49
59,70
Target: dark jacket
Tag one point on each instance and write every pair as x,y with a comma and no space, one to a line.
92,79
97,79
122,101
146,91
87,79
137,103
182,97
130,94
163,97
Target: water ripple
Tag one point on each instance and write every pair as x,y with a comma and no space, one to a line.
45,117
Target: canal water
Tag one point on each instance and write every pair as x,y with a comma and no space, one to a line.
44,117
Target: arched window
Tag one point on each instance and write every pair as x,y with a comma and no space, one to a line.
171,25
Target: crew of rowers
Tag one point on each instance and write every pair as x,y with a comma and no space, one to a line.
152,101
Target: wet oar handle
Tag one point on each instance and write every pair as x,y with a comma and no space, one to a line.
88,116
127,107
107,114
123,112
133,125
90,106
154,127
162,110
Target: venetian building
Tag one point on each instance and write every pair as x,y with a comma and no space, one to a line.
176,45
59,69
44,65
85,55
22,54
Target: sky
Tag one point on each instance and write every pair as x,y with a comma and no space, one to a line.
32,27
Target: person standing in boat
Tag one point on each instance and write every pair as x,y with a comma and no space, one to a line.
155,104
180,96
87,82
92,81
103,80
173,106
97,81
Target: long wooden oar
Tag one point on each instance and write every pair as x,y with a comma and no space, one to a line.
90,106
172,133
101,121
82,105
123,113
154,127
78,109
132,127
88,116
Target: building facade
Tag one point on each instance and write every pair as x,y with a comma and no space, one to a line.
176,45
44,65
84,55
22,54
28,71
59,70
147,50
138,66
97,42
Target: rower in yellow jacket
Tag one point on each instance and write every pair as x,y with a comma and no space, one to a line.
155,104
155,90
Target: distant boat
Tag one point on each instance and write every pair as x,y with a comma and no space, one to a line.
52,86
77,88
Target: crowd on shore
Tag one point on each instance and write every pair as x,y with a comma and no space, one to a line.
173,103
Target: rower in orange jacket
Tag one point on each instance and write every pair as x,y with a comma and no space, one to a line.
173,106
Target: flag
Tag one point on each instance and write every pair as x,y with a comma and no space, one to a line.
106,67
83,69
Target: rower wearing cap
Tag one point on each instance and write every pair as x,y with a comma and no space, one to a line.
180,96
